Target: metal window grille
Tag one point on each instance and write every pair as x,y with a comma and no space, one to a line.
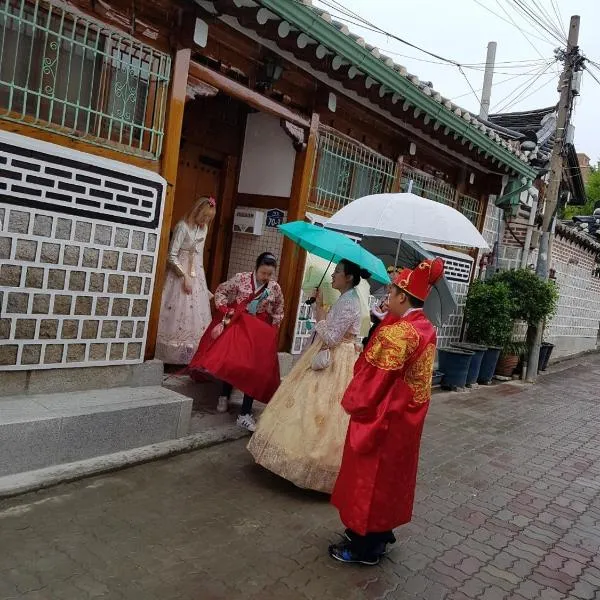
428,186
470,207
71,74
347,170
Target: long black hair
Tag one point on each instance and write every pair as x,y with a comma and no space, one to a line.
353,269
266,259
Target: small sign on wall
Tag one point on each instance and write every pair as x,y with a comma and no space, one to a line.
275,217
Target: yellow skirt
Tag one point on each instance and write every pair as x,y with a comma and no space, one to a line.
301,433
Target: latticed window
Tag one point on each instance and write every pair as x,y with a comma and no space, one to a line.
470,207
69,73
428,186
346,170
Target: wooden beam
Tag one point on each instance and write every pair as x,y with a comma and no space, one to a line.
170,162
224,223
398,175
246,95
291,268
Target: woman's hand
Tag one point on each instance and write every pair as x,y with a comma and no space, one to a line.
319,296
187,284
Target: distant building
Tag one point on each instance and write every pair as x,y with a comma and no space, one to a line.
584,165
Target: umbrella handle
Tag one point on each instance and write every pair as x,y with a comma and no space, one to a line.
312,300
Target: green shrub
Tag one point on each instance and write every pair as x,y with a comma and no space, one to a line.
489,313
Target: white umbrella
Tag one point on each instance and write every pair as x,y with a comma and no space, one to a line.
407,217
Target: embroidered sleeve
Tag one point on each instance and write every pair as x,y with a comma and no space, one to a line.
179,234
226,292
418,375
392,346
277,305
342,320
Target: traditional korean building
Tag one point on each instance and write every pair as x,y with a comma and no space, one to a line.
115,116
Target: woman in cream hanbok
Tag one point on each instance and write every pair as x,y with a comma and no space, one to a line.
185,309
300,435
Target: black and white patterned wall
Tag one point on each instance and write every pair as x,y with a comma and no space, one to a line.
78,245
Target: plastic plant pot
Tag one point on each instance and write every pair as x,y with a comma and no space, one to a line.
436,378
488,365
475,366
545,353
454,363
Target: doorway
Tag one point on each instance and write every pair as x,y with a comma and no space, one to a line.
211,140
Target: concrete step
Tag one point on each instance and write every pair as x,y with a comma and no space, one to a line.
40,431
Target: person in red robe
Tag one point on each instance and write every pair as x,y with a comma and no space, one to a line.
387,401
240,346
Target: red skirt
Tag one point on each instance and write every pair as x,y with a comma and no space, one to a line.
244,355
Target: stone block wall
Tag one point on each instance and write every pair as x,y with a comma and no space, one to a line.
78,246
576,325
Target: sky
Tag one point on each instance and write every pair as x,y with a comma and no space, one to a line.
461,29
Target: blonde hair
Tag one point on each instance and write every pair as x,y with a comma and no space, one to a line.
203,207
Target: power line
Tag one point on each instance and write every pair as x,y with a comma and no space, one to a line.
469,83
361,22
520,30
499,83
537,89
558,14
520,89
525,9
547,19
537,37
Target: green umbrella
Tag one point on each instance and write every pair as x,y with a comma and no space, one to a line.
334,246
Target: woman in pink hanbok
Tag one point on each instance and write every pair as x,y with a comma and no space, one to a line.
185,310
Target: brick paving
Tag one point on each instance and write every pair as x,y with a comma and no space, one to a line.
508,507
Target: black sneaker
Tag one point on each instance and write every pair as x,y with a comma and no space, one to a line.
345,554
383,548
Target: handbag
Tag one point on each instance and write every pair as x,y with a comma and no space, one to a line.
321,360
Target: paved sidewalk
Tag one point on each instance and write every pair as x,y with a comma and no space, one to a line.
508,506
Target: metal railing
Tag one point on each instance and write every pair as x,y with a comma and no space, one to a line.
426,185
470,207
346,170
71,74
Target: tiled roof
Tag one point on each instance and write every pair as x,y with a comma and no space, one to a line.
425,86
386,73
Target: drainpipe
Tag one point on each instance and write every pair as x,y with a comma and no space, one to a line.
529,235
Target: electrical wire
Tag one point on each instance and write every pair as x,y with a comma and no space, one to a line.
520,30
499,83
537,37
525,10
523,87
521,98
558,14
353,18
469,83
548,19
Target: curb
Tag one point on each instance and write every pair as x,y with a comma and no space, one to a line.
31,481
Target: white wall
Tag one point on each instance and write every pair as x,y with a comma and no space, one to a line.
268,158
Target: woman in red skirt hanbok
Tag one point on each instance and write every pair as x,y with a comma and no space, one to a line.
240,346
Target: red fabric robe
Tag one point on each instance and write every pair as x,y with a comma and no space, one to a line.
245,354
387,401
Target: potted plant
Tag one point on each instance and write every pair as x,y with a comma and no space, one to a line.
533,299
510,355
488,313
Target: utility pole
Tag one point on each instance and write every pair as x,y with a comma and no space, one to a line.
488,76
572,61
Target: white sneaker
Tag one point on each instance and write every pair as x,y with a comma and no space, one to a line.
247,422
222,404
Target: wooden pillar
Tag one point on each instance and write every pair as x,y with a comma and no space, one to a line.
397,183
169,165
224,223
291,268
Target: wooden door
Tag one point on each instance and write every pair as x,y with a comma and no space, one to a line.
198,175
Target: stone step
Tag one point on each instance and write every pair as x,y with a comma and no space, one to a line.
40,431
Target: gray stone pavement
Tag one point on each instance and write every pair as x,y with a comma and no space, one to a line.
508,506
